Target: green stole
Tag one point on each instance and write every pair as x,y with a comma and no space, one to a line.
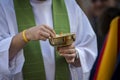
33,68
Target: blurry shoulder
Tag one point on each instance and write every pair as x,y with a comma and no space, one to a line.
72,4
6,3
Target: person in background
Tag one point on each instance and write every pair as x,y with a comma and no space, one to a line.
93,13
84,4
110,3
112,12
105,19
104,22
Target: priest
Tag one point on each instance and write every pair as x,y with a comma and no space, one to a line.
25,51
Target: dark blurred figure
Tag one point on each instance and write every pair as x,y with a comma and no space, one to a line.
105,20
96,9
94,13
109,5
104,24
101,31
118,4
112,3
84,4
93,9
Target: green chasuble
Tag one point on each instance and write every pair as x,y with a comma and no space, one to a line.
61,24
33,68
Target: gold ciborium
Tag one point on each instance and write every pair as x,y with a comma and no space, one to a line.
62,39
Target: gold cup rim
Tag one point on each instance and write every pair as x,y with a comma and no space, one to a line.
60,37
64,35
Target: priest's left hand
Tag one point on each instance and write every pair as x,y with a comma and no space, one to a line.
69,52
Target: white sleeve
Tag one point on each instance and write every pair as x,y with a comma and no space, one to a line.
7,67
86,45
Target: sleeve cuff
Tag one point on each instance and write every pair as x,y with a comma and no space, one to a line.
17,63
83,63
6,66
4,55
82,72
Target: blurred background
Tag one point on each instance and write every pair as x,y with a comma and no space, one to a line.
100,14
94,9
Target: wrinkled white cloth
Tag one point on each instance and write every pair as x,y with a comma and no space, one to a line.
85,40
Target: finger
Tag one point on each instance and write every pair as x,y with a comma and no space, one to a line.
51,31
43,38
67,47
68,51
45,34
70,61
68,56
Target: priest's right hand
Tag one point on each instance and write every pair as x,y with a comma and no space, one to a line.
42,32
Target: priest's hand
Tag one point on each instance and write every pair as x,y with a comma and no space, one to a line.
42,32
70,54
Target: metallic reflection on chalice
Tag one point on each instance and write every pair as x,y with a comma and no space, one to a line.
62,39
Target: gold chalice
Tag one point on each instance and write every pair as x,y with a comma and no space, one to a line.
62,39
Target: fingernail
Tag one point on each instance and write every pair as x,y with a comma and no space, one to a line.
60,54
